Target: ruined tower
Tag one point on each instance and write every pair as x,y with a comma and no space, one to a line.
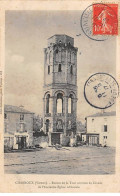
60,89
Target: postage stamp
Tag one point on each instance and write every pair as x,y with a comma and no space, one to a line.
105,19
101,90
99,21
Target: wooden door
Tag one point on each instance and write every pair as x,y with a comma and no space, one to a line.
55,138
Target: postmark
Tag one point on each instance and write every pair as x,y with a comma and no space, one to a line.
99,21
101,90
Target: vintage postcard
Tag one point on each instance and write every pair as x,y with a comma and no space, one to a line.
59,96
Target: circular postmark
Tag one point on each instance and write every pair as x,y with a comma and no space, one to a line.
99,21
101,90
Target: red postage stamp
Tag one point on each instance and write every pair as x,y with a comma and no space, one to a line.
105,19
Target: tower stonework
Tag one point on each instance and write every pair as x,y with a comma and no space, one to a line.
60,89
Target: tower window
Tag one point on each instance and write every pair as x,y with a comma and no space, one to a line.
5,116
48,69
59,68
105,128
71,69
50,57
56,56
73,57
59,103
47,103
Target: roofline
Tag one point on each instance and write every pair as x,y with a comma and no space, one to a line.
25,112
100,115
20,112
59,35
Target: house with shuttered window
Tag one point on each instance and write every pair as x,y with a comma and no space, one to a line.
18,127
101,129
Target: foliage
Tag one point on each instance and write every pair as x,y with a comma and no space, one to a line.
39,133
37,123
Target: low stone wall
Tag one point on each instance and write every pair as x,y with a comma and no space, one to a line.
73,141
8,142
42,141
65,140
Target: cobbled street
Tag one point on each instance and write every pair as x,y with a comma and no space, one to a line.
68,160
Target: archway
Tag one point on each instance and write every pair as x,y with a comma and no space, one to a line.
48,103
59,103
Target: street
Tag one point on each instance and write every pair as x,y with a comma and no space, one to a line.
69,160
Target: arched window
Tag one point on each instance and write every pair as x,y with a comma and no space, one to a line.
47,103
70,104
60,55
47,125
59,103
50,57
56,54
73,57
71,69
59,68
69,56
63,55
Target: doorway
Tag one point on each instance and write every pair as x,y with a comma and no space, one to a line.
55,138
21,141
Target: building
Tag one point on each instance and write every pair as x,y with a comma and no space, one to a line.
18,127
101,129
60,89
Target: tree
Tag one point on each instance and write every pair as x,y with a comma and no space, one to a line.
37,123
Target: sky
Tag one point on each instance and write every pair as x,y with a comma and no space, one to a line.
26,34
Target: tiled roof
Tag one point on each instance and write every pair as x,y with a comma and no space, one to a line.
113,113
16,109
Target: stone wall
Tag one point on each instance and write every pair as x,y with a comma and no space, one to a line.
8,142
65,140
42,140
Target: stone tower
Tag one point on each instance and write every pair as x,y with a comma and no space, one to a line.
60,89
